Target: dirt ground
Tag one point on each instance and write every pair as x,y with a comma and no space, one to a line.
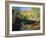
31,27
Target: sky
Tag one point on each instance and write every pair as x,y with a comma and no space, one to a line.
22,8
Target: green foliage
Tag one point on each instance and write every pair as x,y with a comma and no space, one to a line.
35,12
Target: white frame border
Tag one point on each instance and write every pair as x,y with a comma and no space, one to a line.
25,32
